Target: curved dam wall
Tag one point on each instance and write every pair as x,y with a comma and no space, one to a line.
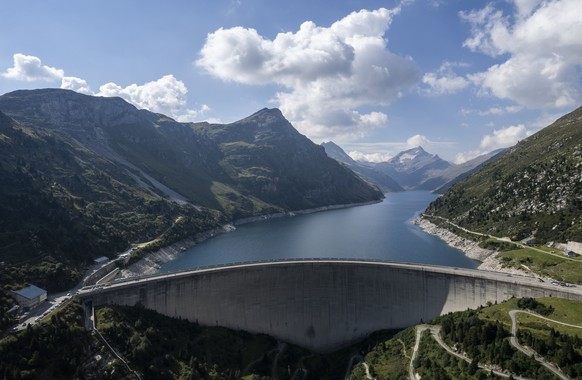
320,304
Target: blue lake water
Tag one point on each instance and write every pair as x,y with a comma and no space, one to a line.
381,231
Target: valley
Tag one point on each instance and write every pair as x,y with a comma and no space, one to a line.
86,177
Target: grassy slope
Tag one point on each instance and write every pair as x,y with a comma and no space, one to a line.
533,189
546,264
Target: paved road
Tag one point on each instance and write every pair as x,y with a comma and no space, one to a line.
435,333
517,243
530,352
419,330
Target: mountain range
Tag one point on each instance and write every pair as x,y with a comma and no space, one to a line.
412,169
85,176
365,170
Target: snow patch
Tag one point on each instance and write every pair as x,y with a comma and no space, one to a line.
407,157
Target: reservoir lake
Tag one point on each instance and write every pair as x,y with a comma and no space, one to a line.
381,231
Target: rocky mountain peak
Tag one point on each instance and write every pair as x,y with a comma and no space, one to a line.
265,118
337,153
58,109
411,155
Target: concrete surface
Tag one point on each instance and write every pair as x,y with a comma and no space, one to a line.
320,304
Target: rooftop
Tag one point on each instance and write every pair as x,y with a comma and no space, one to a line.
30,292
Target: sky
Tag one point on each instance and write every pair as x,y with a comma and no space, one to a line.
459,78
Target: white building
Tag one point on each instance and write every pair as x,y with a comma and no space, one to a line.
30,296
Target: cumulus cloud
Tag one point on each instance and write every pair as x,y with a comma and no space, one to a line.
462,157
369,157
504,138
444,80
543,49
30,68
189,114
166,95
500,138
417,140
76,84
327,72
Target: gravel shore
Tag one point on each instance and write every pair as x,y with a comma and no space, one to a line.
487,257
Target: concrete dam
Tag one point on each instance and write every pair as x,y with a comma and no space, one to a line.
319,304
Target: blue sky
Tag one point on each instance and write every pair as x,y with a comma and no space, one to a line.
458,77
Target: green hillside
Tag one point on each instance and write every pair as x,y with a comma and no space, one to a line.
159,347
266,157
85,176
534,189
62,205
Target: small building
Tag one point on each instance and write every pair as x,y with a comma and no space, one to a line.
29,297
101,260
571,254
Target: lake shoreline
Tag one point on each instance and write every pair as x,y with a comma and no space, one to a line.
151,262
487,258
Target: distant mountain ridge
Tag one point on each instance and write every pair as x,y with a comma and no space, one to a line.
415,169
84,176
412,169
462,171
366,171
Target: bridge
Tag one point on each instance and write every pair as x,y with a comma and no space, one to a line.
320,304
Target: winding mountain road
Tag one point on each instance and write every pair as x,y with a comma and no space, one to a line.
530,352
516,243
435,333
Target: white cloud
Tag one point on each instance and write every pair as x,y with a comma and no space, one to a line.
504,138
500,110
374,119
166,95
418,140
327,72
188,115
383,151
162,95
369,157
76,84
444,80
500,138
493,111
466,156
30,68
525,7
544,49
